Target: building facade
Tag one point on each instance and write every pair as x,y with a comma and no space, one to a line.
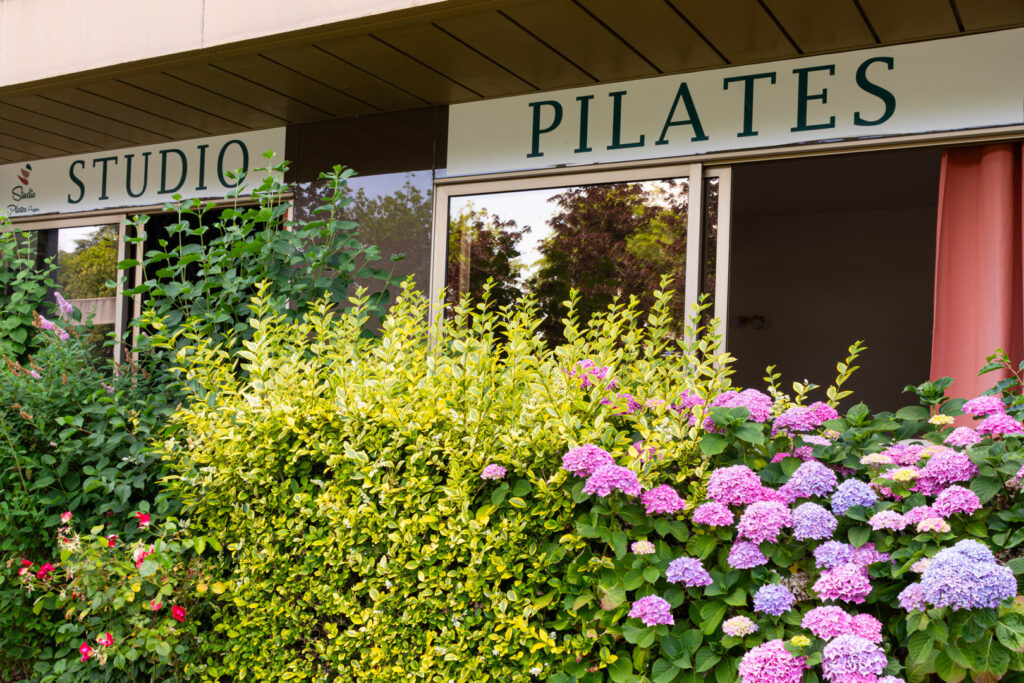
820,171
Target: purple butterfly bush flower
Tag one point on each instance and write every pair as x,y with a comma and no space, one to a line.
662,499
608,478
688,571
583,460
773,599
653,611
66,310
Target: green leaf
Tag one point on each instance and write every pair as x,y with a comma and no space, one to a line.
918,413
705,659
713,444
621,669
663,671
751,432
701,545
920,646
858,535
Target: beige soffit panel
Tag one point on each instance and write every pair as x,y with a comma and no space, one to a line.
343,77
659,33
910,19
582,39
502,40
45,38
739,29
817,26
979,15
445,54
390,65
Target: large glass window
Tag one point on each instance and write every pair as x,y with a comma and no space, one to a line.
86,269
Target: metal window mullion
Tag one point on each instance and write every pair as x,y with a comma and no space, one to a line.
722,253
694,237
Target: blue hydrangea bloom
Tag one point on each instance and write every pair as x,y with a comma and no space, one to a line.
773,599
812,479
850,493
810,520
688,571
967,576
832,554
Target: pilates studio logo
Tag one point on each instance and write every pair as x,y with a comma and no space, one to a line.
21,192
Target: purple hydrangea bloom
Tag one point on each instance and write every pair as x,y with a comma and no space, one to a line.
984,405
921,512
688,571
608,478
888,519
850,493
963,437
867,555
662,499
493,471
852,659
956,499
816,440
773,599
912,598
904,454
945,467
812,479
811,521
738,627
736,485
746,555
713,514
583,460
759,404
1000,425
866,626
827,622
589,373
966,576
771,663
763,520
832,554
848,582
632,405
804,418
653,611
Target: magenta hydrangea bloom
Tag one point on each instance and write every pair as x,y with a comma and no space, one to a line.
852,659
773,599
713,514
891,679
759,404
867,627
608,478
583,460
687,400
688,571
1000,425
590,373
813,479
921,512
642,548
738,627
811,521
653,611
888,519
904,454
763,520
956,499
848,583
662,499
771,663
945,467
962,437
493,471
746,555
736,485
867,555
984,405
827,622
912,598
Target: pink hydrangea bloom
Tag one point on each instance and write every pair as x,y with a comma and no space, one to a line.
963,437
493,471
915,515
583,460
933,525
746,555
984,405
608,478
888,519
642,548
1000,425
687,401
848,582
956,499
771,663
867,555
759,404
736,485
738,627
945,467
803,418
866,626
652,610
827,622
922,564
713,514
763,520
904,454
662,499
590,373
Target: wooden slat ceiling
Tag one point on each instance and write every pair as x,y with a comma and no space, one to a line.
465,52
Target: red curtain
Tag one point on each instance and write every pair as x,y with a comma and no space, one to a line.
979,287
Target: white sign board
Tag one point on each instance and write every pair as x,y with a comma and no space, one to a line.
137,176
941,85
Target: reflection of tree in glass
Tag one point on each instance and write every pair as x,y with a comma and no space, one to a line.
482,247
607,241
397,223
84,272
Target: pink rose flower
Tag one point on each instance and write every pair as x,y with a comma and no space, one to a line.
66,517
155,605
178,613
106,640
143,519
85,650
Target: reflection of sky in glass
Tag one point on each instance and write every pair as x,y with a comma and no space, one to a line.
387,183
533,208
68,238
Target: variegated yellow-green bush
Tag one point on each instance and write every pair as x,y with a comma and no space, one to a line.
343,476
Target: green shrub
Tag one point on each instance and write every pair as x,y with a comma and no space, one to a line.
23,287
344,478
